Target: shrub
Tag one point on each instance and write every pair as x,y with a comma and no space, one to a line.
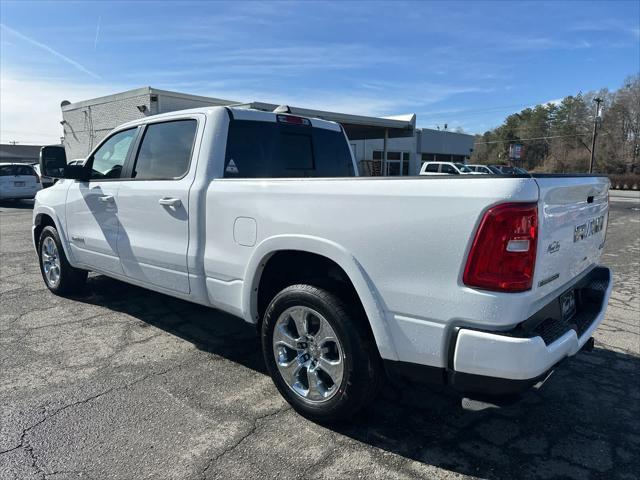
625,181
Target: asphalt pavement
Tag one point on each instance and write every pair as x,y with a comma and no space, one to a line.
124,383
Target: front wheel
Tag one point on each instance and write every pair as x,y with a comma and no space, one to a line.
58,275
320,356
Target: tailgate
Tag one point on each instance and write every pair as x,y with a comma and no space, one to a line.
573,215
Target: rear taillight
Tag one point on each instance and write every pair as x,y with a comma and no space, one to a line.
503,253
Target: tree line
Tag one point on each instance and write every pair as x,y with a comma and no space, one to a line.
557,136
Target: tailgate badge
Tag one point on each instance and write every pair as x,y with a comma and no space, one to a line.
588,229
553,247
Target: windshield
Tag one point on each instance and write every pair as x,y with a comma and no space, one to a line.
463,168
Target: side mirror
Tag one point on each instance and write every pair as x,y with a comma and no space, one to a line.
53,163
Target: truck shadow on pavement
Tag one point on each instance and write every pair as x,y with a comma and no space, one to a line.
583,423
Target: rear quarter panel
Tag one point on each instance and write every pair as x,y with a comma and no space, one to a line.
406,238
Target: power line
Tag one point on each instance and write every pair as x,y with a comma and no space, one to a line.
516,140
31,141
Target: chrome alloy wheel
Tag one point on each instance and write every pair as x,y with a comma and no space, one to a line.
308,354
50,261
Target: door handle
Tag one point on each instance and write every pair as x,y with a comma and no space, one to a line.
170,202
106,198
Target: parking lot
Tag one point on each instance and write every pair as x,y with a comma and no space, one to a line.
125,383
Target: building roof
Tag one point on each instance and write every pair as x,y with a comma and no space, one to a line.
143,91
12,153
356,126
444,141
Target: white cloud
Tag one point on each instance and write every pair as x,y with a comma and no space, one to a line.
372,98
30,106
555,101
606,25
30,109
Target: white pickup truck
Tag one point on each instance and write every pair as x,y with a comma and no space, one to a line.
482,283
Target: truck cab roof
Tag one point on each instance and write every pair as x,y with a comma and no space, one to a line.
235,113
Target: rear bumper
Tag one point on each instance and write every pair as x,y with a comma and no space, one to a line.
13,194
482,363
17,197
510,362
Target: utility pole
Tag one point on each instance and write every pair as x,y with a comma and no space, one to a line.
598,101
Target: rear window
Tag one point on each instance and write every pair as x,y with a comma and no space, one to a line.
24,170
275,150
6,170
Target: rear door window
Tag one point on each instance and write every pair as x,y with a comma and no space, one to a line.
165,152
275,150
432,167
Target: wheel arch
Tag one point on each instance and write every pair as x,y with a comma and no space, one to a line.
332,252
45,217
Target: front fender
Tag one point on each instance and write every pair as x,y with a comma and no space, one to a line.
370,298
39,211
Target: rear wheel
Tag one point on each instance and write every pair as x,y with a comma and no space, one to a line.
320,357
59,276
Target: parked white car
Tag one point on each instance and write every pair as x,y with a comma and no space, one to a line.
446,168
44,180
18,181
481,283
481,169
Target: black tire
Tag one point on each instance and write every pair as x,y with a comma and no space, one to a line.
362,374
70,280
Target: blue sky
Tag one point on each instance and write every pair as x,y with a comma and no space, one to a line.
467,64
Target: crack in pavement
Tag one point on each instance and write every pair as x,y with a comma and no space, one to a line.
25,431
324,459
81,473
236,444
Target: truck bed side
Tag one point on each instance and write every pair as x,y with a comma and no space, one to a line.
405,238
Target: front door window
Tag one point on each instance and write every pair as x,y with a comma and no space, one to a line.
109,158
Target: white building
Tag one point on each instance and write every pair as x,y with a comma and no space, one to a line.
406,155
87,122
